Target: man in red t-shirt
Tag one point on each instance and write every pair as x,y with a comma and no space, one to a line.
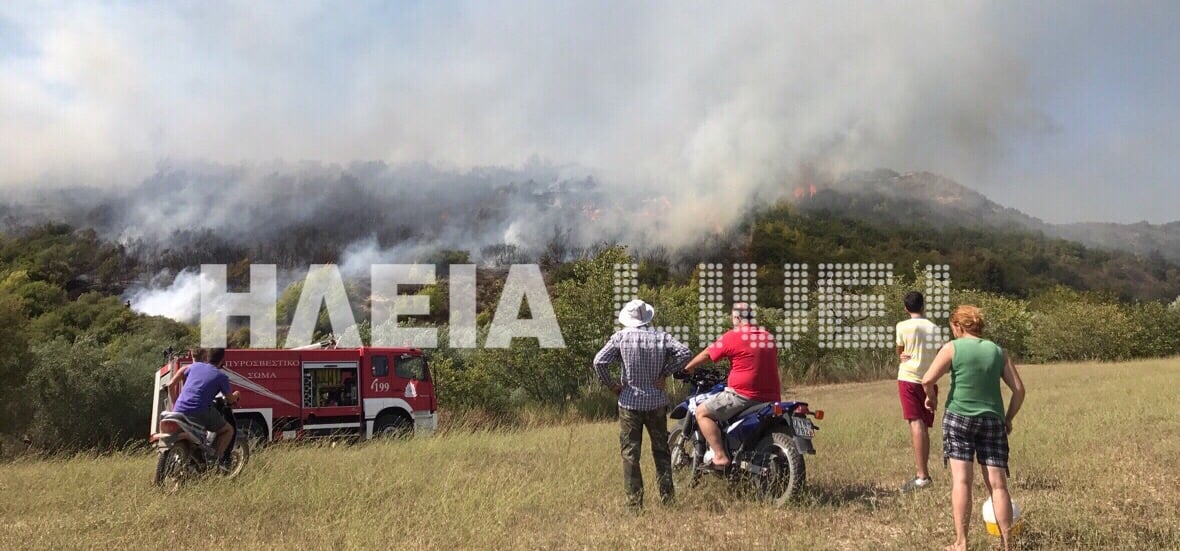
753,376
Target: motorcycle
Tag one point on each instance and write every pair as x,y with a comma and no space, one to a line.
766,443
186,449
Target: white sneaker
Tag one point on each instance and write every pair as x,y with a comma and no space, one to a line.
916,483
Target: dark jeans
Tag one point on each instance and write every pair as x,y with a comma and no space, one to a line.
631,424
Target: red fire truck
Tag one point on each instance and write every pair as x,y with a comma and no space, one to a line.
313,391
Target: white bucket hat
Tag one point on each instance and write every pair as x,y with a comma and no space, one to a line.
636,313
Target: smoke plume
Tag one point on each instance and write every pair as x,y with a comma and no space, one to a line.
655,121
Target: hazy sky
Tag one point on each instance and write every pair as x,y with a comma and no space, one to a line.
1066,110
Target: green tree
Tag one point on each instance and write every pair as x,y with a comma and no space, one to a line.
78,399
14,362
93,314
1067,325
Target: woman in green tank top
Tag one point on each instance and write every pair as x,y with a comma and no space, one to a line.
975,424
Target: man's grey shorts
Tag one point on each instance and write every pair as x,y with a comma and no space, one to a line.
725,405
211,419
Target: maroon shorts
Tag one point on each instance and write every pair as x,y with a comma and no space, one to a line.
913,402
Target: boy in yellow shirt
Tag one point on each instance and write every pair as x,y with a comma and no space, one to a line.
917,344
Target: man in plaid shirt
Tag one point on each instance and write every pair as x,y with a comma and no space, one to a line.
648,356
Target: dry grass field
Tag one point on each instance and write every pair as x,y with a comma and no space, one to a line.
1095,457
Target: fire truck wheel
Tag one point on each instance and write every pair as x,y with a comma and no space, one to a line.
392,425
254,429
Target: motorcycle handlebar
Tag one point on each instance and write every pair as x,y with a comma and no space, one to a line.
699,375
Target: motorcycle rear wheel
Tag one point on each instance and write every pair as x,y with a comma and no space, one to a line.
175,467
786,471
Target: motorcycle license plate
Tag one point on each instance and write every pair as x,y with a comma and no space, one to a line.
802,427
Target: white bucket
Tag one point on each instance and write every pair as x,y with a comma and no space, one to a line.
989,518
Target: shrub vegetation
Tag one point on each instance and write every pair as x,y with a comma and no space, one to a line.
75,361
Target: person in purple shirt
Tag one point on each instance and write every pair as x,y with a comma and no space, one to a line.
198,384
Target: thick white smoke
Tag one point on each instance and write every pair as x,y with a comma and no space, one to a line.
713,106
180,300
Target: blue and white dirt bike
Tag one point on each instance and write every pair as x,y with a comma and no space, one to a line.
766,442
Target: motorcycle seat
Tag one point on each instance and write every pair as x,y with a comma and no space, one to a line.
752,409
181,419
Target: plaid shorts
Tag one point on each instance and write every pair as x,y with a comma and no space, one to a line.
965,438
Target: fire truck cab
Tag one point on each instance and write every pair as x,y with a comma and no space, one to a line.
298,393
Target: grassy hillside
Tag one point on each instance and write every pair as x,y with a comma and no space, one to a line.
1093,460
75,350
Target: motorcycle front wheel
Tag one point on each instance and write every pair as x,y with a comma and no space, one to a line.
685,463
239,456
